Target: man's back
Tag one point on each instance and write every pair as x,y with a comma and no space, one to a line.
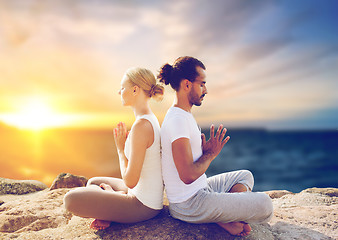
179,124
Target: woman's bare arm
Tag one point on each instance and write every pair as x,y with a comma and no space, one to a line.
141,137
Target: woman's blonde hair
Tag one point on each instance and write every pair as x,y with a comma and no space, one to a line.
146,80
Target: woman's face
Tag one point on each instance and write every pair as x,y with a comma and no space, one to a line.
126,91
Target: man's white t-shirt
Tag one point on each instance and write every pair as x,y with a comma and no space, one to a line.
180,124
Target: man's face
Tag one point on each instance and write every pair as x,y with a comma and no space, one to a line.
199,89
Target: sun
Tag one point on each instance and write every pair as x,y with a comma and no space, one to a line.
34,114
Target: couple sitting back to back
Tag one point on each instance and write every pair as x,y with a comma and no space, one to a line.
225,199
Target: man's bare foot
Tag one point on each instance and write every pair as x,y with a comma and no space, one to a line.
247,229
99,224
236,228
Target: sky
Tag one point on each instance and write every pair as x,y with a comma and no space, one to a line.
270,64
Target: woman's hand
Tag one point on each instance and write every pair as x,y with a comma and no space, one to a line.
120,136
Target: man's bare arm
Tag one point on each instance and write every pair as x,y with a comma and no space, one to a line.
189,170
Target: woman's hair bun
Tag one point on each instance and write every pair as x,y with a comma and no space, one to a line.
165,74
157,92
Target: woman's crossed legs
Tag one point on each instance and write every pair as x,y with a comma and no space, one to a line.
107,200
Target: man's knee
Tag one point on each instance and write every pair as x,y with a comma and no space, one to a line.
247,179
265,206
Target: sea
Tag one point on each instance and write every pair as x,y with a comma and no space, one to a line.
279,160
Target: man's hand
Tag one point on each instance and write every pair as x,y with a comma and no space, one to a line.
188,169
215,144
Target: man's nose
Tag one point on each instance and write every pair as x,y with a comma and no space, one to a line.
205,90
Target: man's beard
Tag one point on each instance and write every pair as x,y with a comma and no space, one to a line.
195,99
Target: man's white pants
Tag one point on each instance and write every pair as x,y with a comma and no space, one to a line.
215,204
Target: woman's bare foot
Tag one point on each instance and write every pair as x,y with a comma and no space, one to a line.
106,187
99,224
236,228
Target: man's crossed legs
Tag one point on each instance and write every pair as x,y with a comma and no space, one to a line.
228,202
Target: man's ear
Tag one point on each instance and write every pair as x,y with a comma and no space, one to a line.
186,84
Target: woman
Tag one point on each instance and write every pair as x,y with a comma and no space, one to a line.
138,196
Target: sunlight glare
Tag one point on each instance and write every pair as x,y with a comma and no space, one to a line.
35,115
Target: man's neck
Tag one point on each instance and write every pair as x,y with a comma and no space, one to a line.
183,104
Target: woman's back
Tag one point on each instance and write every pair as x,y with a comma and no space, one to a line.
149,189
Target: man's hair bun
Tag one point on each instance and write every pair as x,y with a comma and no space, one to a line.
183,68
165,75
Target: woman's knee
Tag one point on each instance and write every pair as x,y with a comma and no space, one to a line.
94,181
71,200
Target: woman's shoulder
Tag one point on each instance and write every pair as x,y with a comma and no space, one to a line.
142,126
152,119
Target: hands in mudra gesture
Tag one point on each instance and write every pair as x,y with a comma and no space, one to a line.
216,142
120,136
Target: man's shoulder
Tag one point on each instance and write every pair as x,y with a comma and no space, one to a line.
178,112
173,115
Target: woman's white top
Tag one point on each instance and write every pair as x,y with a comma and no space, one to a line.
149,189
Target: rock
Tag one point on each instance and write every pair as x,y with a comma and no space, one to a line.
41,215
277,193
331,192
1,202
10,186
67,180
164,226
308,215
34,212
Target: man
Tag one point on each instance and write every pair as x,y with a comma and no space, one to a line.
225,199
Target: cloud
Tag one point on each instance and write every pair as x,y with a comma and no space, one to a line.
283,68
59,54
202,25
77,51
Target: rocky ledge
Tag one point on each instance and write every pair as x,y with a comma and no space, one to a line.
9,186
310,214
